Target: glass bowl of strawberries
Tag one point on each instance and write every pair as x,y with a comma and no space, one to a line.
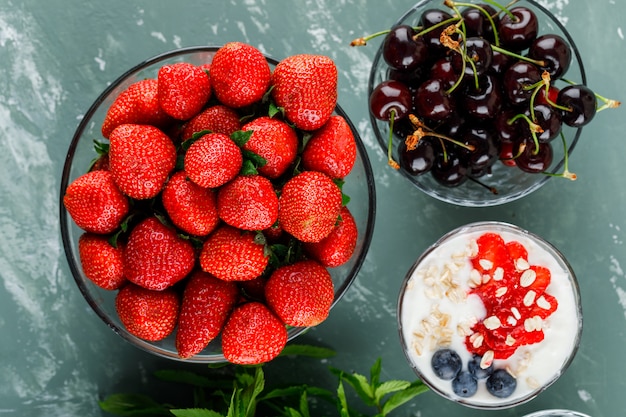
490,315
217,203
479,104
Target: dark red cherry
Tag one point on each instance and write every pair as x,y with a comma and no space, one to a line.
517,78
451,170
442,70
388,98
486,149
419,160
500,62
508,128
485,101
478,50
402,51
433,102
554,51
430,18
532,158
518,30
549,119
583,104
506,154
474,21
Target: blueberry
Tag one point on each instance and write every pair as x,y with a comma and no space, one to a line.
446,364
474,367
464,385
501,383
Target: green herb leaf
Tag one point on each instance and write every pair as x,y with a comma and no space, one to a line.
342,404
375,372
360,384
389,387
195,412
132,405
402,397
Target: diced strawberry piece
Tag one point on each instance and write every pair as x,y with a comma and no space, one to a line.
516,250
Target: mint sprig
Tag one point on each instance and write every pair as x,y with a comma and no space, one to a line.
242,391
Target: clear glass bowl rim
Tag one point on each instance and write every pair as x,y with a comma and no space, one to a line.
74,263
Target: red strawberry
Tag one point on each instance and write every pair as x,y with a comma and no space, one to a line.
191,208
273,140
140,158
240,74
336,248
147,314
233,255
138,104
310,204
95,203
101,262
207,302
248,202
301,293
183,89
331,149
155,256
217,119
253,335
305,86
213,160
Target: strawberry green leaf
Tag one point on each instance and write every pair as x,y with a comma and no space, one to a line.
101,147
132,405
274,110
248,168
180,162
185,145
195,412
241,137
308,350
256,159
306,137
197,135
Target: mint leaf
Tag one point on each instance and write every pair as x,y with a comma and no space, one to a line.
307,350
359,383
342,404
132,405
388,387
375,372
401,397
195,412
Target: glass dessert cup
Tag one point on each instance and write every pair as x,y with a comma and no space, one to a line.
511,183
359,185
447,302
556,413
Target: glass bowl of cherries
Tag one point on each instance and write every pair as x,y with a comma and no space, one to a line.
479,104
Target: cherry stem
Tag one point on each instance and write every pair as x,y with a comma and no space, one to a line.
566,172
481,9
518,56
534,128
362,41
493,190
390,159
470,148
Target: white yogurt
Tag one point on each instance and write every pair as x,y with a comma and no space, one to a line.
436,311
